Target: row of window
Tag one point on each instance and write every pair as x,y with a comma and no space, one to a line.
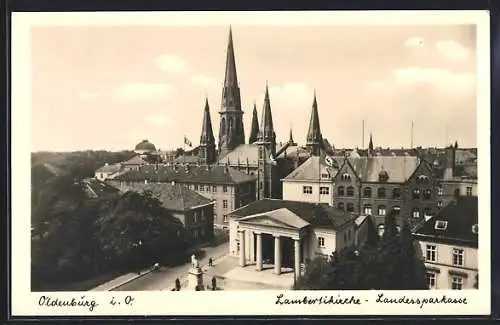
457,255
207,188
457,282
323,190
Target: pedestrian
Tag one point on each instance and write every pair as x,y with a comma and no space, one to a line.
210,262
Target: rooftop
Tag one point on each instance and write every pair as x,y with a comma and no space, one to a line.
242,153
320,215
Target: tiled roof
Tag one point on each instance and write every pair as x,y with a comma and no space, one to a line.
136,160
241,153
461,215
113,168
294,151
174,197
311,170
320,215
188,159
398,168
97,188
194,174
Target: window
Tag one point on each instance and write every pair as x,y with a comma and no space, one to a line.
350,207
441,225
430,253
346,177
321,241
196,187
381,210
427,212
381,229
396,193
340,206
214,188
440,191
397,209
324,190
350,191
457,282
261,153
224,189
431,279
195,217
469,191
416,213
340,191
381,192
440,204
398,228
224,204
207,188
225,220
367,192
422,179
307,189
458,257
367,209
324,176
202,188
427,194
416,193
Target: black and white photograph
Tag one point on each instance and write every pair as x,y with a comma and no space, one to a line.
248,155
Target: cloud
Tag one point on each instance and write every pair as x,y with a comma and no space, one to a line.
204,81
377,85
414,42
439,77
87,95
291,94
158,120
171,63
453,51
144,91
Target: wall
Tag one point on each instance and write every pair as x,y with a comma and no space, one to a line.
293,191
449,188
443,264
330,242
345,238
233,237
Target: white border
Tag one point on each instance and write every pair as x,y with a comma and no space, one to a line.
25,303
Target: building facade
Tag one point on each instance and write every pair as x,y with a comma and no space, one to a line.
449,246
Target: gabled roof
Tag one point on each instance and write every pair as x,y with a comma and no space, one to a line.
188,159
136,160
319,215
96,188
173,197
281,216
460,215
398,168
241,153
194,174
311,170
113,168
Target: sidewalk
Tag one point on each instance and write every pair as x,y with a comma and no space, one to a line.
121,280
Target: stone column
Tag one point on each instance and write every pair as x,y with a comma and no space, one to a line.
242,248
258,260
296,247
277,255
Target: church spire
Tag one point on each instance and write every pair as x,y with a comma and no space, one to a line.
266,133
207,140
370,144
314,137
231,78
254,130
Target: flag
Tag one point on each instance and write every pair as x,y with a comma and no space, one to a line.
187,142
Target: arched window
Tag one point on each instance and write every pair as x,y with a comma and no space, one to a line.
416,213
346,177
350,207
367,192
416,193
398,228
396,193
350,191
427,194
381,192
340,191
396,209
367,209
381,210
381,229
340,205
422,179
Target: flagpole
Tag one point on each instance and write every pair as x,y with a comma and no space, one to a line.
184,149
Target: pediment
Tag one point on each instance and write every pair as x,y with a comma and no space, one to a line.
266,221
282,218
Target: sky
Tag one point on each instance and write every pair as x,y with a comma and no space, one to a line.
109,87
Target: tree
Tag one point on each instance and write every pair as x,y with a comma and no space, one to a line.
179,152
177,284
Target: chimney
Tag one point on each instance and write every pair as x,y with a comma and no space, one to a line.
450,163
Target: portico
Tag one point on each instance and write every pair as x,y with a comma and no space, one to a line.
280,228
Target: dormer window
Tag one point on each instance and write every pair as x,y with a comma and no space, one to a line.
474,229
325,176
346,177
383,177
422,179
441,225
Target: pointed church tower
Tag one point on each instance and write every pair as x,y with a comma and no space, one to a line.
266,142
254,130
314,138
231,132
207,140
290,139
370,145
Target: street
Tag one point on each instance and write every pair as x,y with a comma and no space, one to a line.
164,278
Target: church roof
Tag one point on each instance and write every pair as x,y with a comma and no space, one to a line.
311,170
242,153
173,197
207,134
292,151
254,129
398,168
181,174
320,215
459,217
266,132
314,132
